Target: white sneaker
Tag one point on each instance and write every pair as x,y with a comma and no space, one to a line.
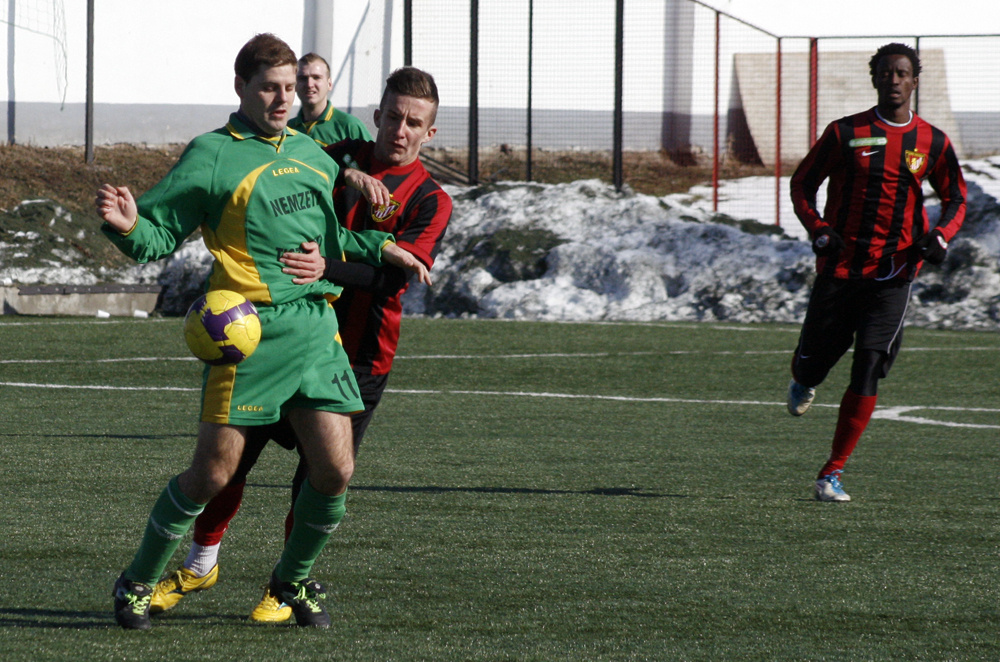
829,488
799,398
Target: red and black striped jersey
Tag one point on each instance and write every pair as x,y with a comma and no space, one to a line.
874,198
417,217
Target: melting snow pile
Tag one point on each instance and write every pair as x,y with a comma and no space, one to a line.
583,251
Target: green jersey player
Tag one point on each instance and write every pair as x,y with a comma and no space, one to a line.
317,117
256,190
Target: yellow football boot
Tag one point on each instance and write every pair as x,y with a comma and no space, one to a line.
270,609
169,591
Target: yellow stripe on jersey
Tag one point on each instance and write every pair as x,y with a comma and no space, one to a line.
306,165
234,267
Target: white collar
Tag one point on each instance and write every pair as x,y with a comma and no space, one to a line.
879,115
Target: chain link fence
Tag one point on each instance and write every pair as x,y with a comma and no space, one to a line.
661,95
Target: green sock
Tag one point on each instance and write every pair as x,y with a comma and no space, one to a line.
172,516
316,517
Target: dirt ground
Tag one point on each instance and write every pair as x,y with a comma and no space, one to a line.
61,173
653,173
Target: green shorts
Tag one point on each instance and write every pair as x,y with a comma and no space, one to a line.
299,363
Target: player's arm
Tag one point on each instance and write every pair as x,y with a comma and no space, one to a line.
375,192
424,225
116,207
947,180
142,237
378,248
806,180
403,259
808,177
309,266
153,226
420,231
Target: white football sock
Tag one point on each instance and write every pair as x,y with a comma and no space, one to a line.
200,560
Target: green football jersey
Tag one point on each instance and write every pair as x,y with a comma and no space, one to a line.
332,126
254,198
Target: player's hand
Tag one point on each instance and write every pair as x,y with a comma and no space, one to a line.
373,189
404,259
932,247
307,266
116,207
827,242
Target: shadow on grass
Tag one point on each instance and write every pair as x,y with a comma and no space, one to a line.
437,489
92,620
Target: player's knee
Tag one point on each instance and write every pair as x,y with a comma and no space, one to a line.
809,372
332,479
868,367
201,483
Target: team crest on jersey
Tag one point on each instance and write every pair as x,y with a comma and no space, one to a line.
382,213
915,161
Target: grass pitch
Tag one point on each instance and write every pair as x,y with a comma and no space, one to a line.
527,491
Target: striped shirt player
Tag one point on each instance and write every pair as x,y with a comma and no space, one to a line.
871,241
417,218
875,200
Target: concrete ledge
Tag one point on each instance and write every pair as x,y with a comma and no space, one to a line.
81,300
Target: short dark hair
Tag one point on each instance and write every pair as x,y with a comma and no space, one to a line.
265,50
894,48
309,58
411,82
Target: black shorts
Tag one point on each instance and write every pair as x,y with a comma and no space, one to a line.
371,388
865,313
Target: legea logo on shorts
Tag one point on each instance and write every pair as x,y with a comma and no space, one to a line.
249,408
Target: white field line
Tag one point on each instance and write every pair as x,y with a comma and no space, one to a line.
528,355
659,325
667,352
87,322
118,360
96,387
897,413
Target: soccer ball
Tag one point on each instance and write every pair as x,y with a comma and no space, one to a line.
222,327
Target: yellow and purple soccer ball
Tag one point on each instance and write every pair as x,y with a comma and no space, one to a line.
222,327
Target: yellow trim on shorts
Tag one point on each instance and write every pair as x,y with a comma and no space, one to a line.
218,393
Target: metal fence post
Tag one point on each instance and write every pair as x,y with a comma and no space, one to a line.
813,90
531,44
88,128
408,33
777,139
474,92
616,159
715,120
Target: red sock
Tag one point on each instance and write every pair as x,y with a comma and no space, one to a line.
289,521
855,412
214,520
